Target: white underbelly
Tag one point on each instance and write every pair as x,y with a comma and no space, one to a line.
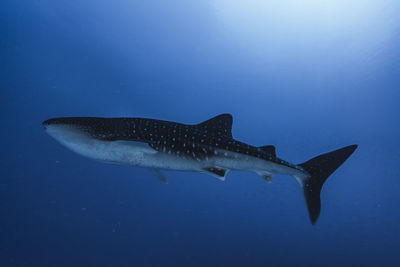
142,155
237,161
129,153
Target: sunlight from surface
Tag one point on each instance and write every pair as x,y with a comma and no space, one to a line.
283,29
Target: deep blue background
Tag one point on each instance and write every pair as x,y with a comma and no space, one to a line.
307,81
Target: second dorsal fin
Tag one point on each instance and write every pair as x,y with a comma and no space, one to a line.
269,149
220,125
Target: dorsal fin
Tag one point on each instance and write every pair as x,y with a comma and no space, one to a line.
219,125
269,149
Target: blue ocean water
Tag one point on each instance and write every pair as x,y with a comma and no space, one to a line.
306,76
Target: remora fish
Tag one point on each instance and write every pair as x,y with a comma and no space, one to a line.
207,147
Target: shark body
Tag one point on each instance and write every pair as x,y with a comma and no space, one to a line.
207,147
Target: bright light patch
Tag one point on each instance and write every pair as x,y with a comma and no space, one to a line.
285,28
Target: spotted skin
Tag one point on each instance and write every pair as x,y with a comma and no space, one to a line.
207,147
198,142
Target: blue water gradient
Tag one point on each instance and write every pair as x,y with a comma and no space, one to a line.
305,79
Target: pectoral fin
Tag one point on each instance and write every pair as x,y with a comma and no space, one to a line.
266,176
159,175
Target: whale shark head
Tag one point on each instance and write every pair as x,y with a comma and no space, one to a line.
76,128
89,137
106,139
74,133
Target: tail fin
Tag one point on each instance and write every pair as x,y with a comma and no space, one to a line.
320,168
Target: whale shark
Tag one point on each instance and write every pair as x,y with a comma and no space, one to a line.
207,147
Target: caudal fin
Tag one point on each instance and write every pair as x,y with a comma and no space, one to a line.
320,168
